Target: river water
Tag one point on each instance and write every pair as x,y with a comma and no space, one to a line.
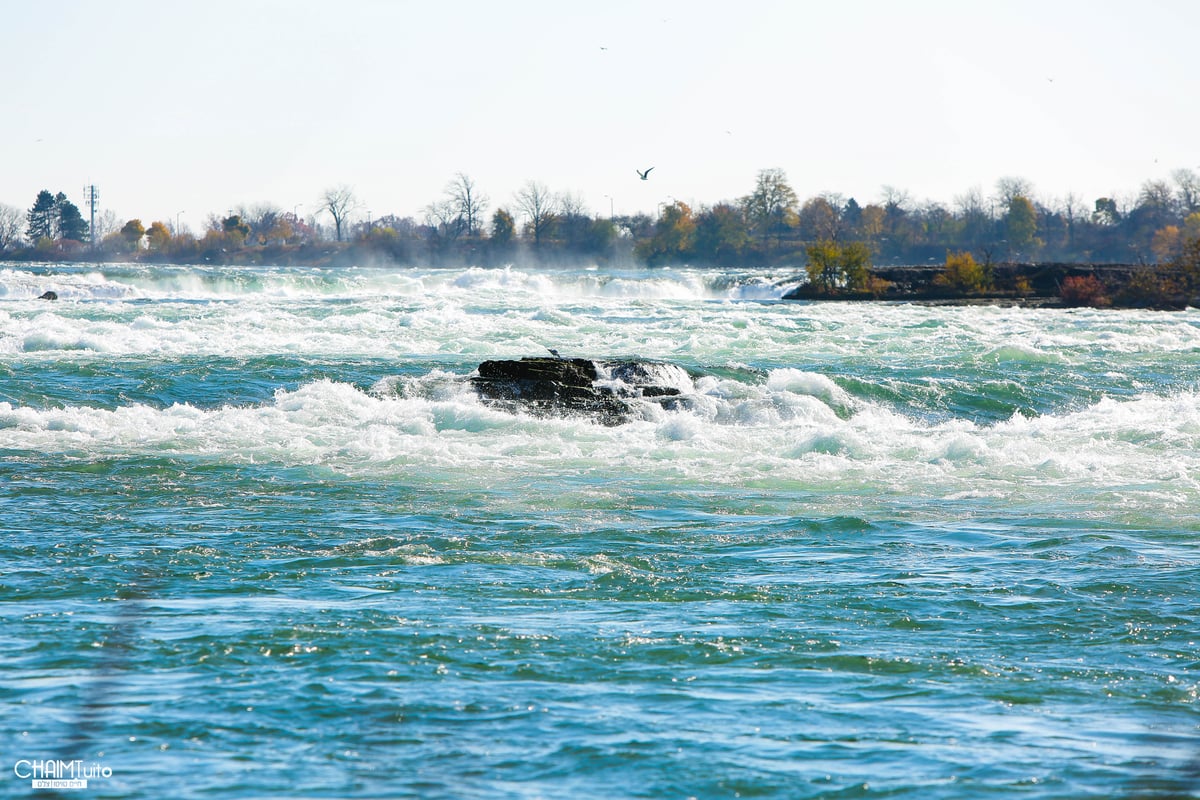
258,538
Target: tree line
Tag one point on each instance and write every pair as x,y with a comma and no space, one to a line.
769,225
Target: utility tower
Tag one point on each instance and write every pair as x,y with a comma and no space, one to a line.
91,196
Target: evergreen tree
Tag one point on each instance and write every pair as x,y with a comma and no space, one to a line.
71,224
504,227
42,217
852,213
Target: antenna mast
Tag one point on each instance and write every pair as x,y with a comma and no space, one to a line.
91,196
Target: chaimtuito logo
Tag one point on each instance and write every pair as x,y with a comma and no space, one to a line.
54,773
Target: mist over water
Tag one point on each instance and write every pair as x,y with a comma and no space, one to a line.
262,539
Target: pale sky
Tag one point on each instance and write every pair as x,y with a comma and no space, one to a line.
191,108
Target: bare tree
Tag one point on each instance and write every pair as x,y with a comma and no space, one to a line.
1157,195
896,204
1187,184
107,222
971,202
1009,187
445,219
405,227
12,219
936,218
835,199
1073,208
340,202
897,224
976,216
539,206
470,203
261,217
572,205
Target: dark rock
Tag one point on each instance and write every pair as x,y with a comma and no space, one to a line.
603,390
49,296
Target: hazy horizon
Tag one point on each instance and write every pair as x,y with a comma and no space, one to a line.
181,112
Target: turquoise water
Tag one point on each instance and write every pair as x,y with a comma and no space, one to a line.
259,539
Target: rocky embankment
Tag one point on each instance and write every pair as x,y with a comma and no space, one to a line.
1024,284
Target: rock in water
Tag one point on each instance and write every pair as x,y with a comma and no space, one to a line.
559,386
48,296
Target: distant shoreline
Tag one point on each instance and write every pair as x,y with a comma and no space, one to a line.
1029,285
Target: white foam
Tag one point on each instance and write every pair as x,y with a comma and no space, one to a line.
813,384
775,414
1147,448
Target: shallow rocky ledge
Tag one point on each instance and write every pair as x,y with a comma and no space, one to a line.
603,390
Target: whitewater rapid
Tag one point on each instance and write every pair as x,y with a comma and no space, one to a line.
863,403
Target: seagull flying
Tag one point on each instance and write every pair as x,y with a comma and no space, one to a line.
643,175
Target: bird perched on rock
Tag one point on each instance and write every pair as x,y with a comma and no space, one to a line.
553,352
